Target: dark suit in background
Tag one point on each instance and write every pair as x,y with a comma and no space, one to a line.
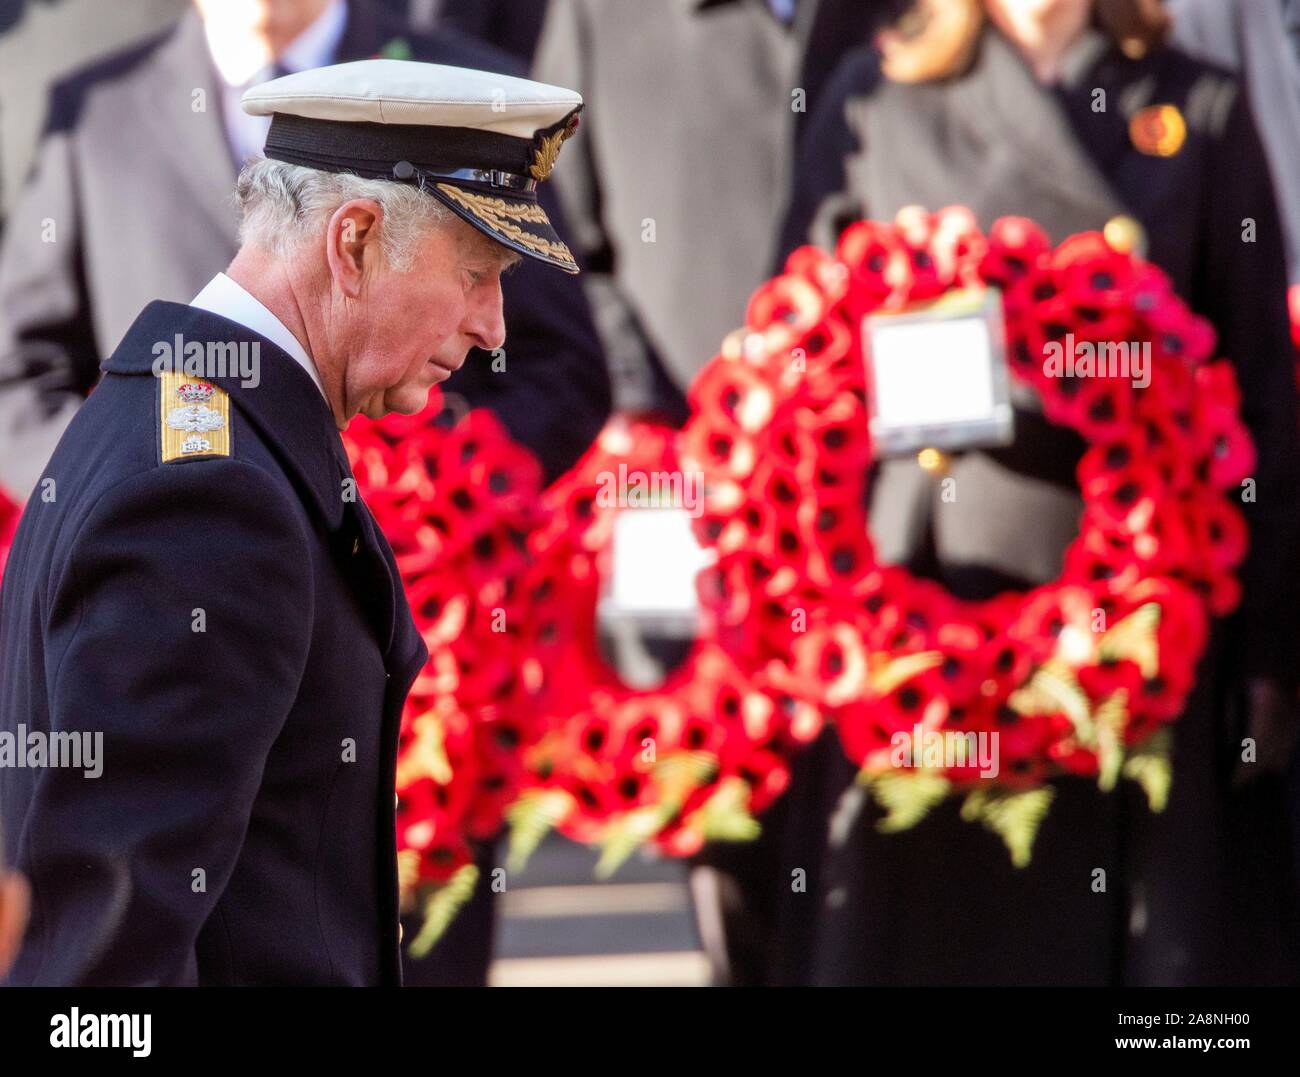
512,26
1249,37
138,188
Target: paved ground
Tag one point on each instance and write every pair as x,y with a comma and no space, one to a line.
560,927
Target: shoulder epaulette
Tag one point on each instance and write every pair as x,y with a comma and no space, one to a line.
193,418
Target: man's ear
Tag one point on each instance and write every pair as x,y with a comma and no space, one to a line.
351,243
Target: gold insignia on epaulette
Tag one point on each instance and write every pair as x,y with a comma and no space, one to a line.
194,418
1158,130
549,149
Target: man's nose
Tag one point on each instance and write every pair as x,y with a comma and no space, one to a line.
485,321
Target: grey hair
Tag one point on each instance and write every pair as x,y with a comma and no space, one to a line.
282,205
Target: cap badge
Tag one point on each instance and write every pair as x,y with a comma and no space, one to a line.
549,149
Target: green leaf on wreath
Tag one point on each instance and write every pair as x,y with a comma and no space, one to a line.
534,815
1149,765
1134,639
1014,815
725,815
627,834
1111,717
905,797
1053,689
441,906
678,774
887,674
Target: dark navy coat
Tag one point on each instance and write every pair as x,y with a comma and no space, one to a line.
242,830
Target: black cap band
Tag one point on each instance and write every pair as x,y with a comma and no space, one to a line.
376,150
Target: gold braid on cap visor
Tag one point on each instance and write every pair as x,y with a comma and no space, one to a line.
501,216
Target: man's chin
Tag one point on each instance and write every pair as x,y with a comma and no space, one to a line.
408,400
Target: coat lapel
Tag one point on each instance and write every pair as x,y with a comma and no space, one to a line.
194,142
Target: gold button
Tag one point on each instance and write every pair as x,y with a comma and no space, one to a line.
1125,235
934,461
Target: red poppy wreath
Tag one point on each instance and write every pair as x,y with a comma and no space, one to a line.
9,514
457,499
1082,676
694,759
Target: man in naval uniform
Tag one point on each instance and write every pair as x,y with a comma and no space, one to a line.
196,595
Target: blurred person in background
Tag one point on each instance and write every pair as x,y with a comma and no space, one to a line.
43,40
1252,37
673,196
1291,18
1249,37
990,104
696,109
153,135
512,26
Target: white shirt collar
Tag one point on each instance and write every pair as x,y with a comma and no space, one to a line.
229,299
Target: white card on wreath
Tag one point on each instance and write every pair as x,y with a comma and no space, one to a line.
938,373
656,558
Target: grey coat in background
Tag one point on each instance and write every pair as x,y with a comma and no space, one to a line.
674,188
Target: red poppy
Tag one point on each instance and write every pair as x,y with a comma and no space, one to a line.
1231,457
826,272
878,263
1176,333
1122,499
9,516
1093,272
1099,408
1218,531
733,391
784,310
1015,246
